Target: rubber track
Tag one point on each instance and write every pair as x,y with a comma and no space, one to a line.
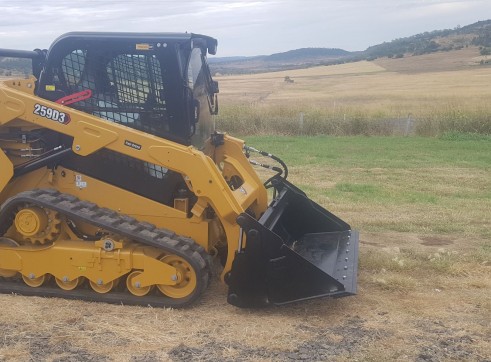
123,225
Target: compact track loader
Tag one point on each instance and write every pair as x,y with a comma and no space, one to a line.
115,186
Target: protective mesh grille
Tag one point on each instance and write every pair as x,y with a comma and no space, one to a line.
126,89
134,165
136,76
73,66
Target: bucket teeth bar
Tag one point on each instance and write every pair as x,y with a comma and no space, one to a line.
296,251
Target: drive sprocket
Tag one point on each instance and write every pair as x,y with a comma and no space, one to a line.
37,225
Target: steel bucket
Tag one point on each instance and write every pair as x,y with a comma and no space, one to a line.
296,251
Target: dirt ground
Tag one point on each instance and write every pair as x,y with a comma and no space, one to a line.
421,296
395,316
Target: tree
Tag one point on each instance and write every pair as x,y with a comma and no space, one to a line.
485,51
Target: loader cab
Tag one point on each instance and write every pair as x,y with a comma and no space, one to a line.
158,83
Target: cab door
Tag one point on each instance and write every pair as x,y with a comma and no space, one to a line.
203,103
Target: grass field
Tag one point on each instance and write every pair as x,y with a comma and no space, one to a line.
423,208
424,95
422,205
376,177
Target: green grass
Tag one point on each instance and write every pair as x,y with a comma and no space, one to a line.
405,184
373,152
460,136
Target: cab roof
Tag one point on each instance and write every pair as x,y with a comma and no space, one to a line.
66,40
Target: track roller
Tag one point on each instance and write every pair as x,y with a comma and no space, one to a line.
34,281
67,284
103,288
134,287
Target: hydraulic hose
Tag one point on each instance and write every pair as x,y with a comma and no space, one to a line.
283,172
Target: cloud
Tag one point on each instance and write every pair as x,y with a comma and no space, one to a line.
242,27
420,9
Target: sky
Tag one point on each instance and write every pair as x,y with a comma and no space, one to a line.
243,28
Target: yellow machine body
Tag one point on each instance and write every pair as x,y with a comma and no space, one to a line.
205,174
67,231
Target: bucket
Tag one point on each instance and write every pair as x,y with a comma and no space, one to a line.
296,251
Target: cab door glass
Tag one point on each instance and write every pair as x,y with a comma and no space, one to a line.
197,83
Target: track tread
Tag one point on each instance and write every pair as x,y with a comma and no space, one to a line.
124,225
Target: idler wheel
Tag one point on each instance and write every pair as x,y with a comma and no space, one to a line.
186,278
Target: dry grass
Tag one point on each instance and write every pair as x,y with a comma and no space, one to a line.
425,249
424,276
401,312
437,92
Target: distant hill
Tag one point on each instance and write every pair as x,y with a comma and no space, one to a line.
307,53
226,59
477,34
10,66
291,59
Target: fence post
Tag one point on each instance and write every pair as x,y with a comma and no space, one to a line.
409,122
300,121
